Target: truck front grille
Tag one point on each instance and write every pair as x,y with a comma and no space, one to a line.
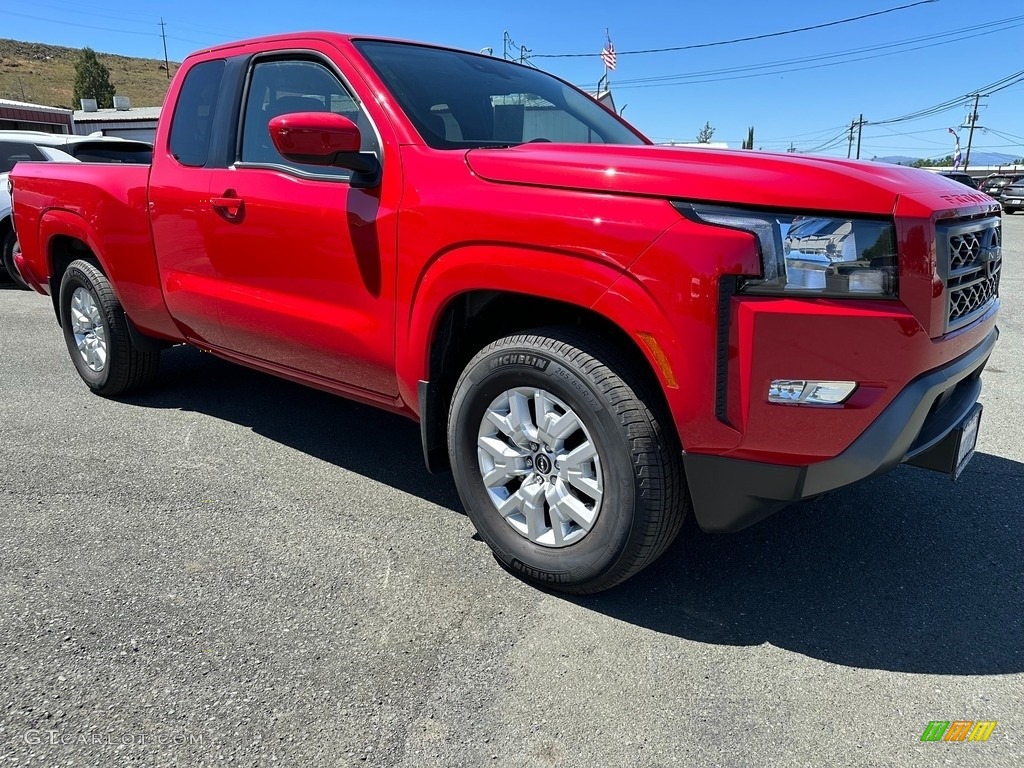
970,260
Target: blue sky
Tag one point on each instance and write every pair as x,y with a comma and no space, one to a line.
884,67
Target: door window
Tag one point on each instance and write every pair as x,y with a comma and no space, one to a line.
281,87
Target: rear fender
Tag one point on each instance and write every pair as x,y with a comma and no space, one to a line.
57,223
125,257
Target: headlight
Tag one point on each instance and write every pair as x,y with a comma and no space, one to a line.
813,255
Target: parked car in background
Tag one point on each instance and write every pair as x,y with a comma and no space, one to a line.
88,149
37,146
1013,197
12,152
963,178
993,185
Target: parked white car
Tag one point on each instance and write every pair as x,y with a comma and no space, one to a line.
12,152
95,148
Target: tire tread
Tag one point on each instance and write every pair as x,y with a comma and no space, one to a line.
130,369
655,451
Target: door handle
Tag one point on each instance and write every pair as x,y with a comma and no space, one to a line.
229,204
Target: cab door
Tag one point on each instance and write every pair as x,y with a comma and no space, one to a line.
179,193
306,262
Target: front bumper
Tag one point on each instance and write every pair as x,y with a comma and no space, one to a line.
730,494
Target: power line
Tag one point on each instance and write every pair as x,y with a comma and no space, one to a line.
113,29
145,18
990,91
1004,135
836,140
812,62
891,132
81,26
737,39
957,35
945,106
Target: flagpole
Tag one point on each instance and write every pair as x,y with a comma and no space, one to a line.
608,59
607,80
957,157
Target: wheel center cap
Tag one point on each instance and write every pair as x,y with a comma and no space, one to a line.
542,463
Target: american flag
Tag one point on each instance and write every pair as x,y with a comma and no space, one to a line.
608,55
956,154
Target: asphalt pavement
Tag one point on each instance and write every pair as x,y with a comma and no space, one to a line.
234,569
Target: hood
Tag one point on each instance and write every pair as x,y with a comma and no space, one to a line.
735,177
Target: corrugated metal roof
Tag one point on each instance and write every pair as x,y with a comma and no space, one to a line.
117,115
27,105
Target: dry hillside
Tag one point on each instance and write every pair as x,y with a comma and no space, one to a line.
44,74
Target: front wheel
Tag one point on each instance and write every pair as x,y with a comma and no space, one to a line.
96,332
9,249
565,461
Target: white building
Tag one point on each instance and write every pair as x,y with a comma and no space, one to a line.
123,120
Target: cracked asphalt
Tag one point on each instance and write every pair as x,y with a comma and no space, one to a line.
234,569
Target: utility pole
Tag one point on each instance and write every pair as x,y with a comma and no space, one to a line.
849,146
508,48
163,34
973,119
860,129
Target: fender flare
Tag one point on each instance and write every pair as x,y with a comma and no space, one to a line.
58,222
566,277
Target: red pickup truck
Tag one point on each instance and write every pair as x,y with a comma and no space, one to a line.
595,334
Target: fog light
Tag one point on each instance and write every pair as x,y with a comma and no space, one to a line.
796,391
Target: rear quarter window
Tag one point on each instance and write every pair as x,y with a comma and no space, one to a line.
12,152
194,113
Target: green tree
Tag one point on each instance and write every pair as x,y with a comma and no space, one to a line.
92,81
749,143
933,163
704,137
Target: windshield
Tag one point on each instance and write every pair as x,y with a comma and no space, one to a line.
458,100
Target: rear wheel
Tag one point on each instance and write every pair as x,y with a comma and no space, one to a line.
8,249
564,461
96,333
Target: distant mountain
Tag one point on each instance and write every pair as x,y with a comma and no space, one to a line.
895,159
977,158
992,158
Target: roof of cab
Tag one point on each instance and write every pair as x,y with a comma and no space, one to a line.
336,37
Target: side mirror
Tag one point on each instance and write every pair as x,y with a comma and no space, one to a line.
324,138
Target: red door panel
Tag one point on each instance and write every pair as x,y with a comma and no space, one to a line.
306,275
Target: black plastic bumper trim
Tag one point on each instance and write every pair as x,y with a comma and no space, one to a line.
731,494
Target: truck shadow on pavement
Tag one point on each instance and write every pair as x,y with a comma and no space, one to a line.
368,441
905,572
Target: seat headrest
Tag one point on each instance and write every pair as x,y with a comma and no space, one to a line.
288,104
